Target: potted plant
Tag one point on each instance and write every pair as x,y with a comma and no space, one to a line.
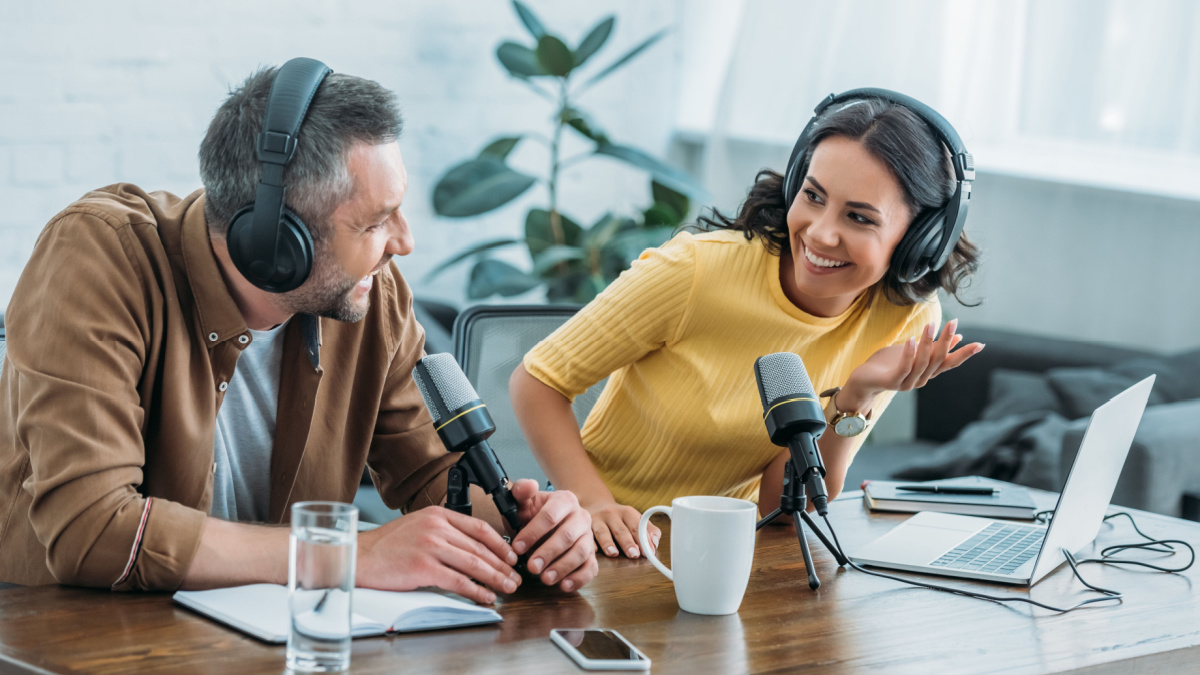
573,262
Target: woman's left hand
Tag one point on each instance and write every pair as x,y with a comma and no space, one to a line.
909,365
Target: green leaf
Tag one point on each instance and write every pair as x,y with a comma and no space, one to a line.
581,122
531,22
494,277
661,215
567,287
676,200
499,148
603,230
539,236
668,175
548,259
554,57
595,40
628,55
519,60
628,244
467,253
478,186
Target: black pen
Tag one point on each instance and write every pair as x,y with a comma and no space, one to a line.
949,489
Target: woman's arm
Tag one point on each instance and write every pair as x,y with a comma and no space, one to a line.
549,424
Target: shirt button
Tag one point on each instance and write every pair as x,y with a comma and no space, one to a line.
243,339
223,386
212,337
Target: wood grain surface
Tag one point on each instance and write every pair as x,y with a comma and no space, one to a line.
853,623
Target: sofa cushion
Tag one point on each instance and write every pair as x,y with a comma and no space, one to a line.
1163,462
1081,390
1017,392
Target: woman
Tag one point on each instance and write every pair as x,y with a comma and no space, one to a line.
810,266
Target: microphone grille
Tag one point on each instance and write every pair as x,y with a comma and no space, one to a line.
447,382
781,375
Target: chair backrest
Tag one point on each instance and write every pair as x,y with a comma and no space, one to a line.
489,343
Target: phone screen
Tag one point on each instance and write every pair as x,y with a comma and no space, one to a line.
600,645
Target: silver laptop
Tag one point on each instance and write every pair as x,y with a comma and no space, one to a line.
1019,553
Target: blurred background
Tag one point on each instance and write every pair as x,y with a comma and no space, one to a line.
1083,116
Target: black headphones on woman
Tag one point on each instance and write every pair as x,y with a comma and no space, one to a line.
268,242
931,237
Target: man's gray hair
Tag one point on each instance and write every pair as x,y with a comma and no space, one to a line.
345,110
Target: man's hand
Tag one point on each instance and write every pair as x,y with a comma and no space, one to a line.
438,547
568,554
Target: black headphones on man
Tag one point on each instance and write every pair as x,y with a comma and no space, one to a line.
931,237
268,243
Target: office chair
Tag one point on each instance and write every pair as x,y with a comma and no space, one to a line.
489,342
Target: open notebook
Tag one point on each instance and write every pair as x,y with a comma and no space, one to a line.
261,610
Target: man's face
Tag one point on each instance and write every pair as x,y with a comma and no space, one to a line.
363,235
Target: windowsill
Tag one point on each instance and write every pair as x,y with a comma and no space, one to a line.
1141,172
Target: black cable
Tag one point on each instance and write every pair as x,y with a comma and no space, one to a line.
1109,595
1150,544
1046,516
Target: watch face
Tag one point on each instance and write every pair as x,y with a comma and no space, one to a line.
851,425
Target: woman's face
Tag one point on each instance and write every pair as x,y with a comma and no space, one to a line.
844,224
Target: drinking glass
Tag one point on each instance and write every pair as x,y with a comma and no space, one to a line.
324,543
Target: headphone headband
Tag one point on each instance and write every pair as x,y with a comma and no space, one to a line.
269,244
964,163
292,91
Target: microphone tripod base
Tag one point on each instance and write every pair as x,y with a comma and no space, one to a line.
792,502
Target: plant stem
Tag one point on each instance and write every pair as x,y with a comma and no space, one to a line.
555,219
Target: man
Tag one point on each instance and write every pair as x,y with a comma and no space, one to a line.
155,403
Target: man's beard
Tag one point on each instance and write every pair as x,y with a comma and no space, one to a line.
328,292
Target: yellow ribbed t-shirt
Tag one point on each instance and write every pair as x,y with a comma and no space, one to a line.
678,334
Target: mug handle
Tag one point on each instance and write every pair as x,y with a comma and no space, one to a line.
646,544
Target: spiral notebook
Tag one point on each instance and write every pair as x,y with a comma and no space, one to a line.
261,610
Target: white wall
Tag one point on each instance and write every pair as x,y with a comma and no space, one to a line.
93,93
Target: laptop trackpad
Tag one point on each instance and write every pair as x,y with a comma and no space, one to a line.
919,543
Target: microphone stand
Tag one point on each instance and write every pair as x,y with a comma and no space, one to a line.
458,492
792,501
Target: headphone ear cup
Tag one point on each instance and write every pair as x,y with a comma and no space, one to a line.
237,240
919,246
294,259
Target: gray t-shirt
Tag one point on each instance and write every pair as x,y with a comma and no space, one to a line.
246,431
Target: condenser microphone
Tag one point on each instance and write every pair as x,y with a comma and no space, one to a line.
794,418
464,425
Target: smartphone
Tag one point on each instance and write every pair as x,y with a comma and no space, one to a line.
599,649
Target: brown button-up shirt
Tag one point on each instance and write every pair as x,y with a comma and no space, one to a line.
120,333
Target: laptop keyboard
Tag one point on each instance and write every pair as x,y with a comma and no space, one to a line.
999,548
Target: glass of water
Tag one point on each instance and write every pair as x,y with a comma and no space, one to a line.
321,559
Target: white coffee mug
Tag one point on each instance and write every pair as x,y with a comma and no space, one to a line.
712,551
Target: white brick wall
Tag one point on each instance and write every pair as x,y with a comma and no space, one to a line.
93,93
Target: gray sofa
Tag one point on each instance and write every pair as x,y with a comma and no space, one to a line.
1018,410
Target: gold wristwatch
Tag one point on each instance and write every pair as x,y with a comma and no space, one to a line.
844,422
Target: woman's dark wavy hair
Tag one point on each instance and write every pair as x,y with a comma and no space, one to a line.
916,157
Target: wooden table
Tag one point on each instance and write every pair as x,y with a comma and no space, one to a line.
853,623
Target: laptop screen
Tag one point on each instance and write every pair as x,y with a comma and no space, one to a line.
1093,477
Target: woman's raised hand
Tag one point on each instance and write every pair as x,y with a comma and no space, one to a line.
909,365
615,527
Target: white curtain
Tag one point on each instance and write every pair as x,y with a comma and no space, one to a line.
1118,77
